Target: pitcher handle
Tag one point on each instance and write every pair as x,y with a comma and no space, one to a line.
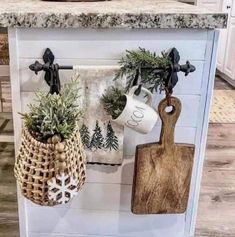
149,94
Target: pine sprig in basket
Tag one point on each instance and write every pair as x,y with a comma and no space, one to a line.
144,67
54,116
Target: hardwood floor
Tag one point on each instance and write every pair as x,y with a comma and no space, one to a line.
221,84
216,214
8,200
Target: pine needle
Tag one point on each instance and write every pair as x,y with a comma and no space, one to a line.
54,114
144,67
113,101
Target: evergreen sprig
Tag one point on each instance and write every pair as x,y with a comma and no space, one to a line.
54,114
144,67
113,101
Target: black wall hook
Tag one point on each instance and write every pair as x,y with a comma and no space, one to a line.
51,70
187,68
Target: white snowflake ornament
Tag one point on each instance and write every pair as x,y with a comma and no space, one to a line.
62,188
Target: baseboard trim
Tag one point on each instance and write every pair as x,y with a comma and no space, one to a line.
225,77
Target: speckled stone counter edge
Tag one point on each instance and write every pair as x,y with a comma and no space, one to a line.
93,20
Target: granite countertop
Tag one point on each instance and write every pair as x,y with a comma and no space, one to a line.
108,14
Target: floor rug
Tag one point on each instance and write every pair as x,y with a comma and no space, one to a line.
223,107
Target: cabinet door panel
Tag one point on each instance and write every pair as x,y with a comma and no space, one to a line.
223,38
210,4
222,49
229,67
233,9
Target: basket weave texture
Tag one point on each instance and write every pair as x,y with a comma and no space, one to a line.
37,163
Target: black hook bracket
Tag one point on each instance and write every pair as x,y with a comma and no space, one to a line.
51,70
187,68
172,72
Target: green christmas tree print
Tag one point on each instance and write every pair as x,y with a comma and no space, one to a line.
85,136
111,140
97,140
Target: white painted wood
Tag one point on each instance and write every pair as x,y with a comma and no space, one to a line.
102,208
190,85
229,65
188,118
15,91
110,34
132,139
112,174
108,197
185,129
35,234
108,49
233,9
94,222
108,44
226,50
210,4
227,70
223,38
203,123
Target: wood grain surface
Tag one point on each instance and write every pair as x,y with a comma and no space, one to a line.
216,213
76,0
4,52
163,170
9,223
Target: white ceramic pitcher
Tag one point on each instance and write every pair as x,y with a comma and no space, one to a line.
138,115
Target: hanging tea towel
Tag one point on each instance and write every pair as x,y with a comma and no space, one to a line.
102,139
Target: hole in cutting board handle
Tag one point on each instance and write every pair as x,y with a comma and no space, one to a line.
170,110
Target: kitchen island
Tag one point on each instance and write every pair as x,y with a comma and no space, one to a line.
99,33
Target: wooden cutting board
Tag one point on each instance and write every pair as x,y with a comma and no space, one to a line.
163,170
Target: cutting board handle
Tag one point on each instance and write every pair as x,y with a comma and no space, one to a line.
169,120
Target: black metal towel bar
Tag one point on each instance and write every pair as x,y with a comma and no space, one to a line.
52,70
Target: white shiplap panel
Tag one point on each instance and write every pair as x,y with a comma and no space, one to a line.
132,138
189,111
110,34
109,49
98,196
37,234
109,44
112,174
92,222
183,134
31,82
188,117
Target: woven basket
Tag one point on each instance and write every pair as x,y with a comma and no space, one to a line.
38,162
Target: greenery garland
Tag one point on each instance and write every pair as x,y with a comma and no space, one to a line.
144,67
